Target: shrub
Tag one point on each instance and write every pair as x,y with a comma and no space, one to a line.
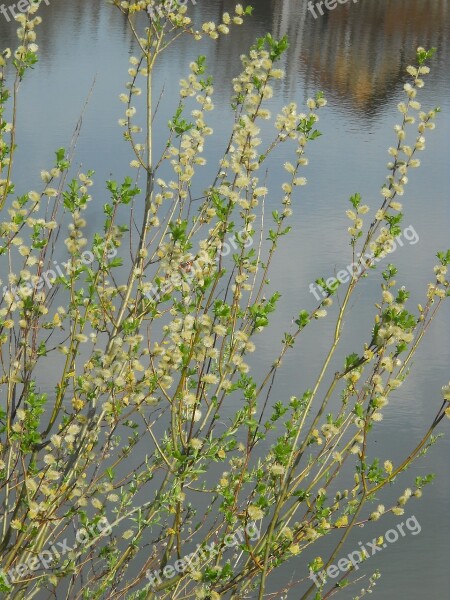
158,436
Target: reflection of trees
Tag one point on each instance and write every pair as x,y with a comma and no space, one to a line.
359,51
356,51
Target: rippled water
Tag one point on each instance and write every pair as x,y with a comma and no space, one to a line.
356,54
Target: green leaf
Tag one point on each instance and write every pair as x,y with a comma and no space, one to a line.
303,319
355,200
351,361
115,262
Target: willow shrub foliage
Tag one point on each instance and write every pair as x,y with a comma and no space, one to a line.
157,437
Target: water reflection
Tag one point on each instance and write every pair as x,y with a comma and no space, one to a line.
358,52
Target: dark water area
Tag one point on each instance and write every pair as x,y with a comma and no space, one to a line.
357,54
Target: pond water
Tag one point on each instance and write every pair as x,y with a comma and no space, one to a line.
357,54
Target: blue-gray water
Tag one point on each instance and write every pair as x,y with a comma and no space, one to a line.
356,54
